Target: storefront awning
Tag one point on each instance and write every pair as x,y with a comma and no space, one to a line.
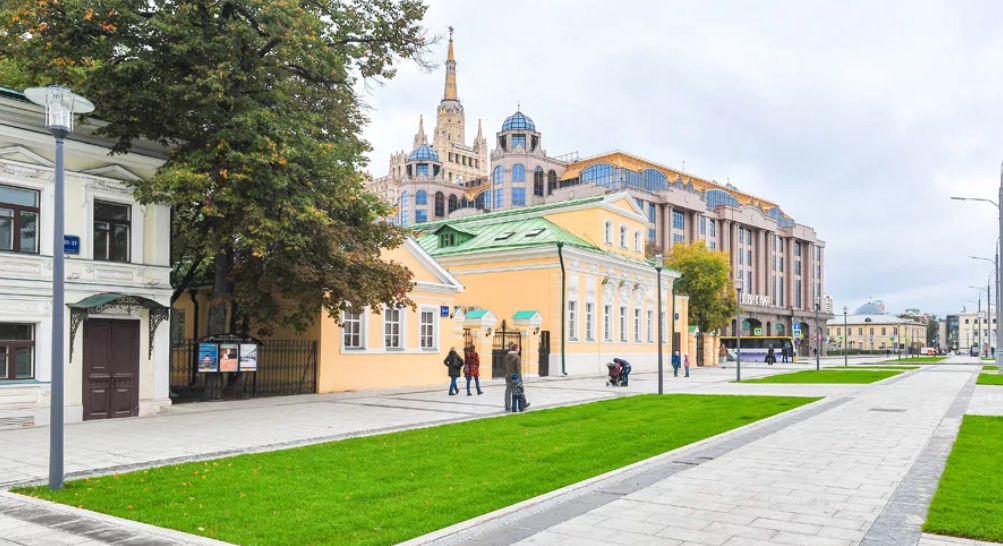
98,303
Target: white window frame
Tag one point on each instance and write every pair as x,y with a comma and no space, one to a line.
572,320
607,323
345,320
137,228
434,325
623,236
637,241
637,325
402,329
651,325
608,232
590,321
664,315
623,324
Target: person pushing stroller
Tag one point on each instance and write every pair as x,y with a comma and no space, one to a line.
614,370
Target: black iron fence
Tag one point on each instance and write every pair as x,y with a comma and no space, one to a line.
284,367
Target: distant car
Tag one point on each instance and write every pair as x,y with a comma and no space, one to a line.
974,351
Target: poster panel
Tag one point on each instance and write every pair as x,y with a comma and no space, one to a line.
228,357
208,357
248,357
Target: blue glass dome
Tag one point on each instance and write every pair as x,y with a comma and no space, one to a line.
869,309
518,121
423,153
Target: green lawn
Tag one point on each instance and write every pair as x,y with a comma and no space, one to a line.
386,489
989,358
989,379
828,376
968,499
989,368
889,367
919,359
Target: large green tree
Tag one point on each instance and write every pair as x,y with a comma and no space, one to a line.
707,281
257,100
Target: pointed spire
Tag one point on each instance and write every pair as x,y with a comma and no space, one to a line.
419,137
449,93
480,132
450,57
421,124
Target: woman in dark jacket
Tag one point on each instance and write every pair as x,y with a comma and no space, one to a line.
454,363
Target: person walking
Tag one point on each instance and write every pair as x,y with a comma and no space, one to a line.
513,365
771,356
454,364
472,370
675,364
686,364
783,354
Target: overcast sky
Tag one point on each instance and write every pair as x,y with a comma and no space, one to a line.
859,118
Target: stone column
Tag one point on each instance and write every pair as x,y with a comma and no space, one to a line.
668,228
789,273
695,230
735,230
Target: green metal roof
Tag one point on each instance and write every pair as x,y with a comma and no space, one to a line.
477,313
106,298
515,211
528,233
524,315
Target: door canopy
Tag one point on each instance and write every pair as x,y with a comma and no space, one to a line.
98,303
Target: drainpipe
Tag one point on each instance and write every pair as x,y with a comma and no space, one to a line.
564,304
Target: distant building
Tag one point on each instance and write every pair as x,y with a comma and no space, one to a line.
871,328
977,329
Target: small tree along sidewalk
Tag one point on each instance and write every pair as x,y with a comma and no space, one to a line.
385,489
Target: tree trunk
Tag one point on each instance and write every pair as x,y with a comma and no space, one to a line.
220,293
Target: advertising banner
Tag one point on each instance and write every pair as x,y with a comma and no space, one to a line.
208,357
248,357
228,357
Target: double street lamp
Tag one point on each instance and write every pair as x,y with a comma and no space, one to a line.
999,309
61,105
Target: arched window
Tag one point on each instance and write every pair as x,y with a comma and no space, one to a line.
497,175
538,181
608,232
551,182
420,197
518,173
623,236
637,240
452,203
440,204
654,180
600,174
405,203
479,201
716,198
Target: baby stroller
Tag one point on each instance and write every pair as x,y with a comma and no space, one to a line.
615,378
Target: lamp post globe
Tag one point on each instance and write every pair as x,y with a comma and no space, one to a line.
61,105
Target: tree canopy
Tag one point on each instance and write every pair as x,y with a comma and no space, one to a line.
256,100
707,281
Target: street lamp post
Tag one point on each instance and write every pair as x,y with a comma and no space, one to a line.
60,106
738,332
999,308
978,316
846,330
658,269
818,336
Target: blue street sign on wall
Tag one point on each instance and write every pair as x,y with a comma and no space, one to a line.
443,310
71,244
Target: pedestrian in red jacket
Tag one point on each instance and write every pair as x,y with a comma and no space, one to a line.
472,370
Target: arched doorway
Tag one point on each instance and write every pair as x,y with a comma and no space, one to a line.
806,344
752,325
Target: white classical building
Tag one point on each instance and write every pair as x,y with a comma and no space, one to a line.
117,275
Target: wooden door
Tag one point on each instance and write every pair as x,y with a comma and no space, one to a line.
111,368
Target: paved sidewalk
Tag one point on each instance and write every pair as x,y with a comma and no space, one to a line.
822,481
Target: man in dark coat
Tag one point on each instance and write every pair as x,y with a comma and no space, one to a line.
454,364
513,365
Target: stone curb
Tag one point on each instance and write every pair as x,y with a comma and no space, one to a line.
160,532
620,473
